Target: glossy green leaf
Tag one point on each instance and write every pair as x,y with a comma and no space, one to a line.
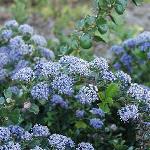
112,90
80,124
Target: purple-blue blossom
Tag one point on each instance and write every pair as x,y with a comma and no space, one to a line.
14,90
139,92
39,40
47,53
37,148
40,91
4,134
80,113
11,146
75,65
145,46
47,69
25,74
87,95
99,63
97,111
129,43
117,65
60,142
96,123
117,49
107,76
4,59
147,124
63,84
129,112
26,136
17,44
16,130
25,29
11,24
85,146
143,37
40,131
5,49
58,100
6,35
123,77
21,64
126,59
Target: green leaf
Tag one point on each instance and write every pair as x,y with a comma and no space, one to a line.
102,25
102,37
80,24
15,116
112,90
120,6
80,124
119,9
101,95
34,108
139,54
137,2
109,100
104,107
98,39
90,20
2,100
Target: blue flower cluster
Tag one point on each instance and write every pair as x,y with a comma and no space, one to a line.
75,65
87,94
80,113
39,40
97,111
139,92
11,146
41,91
46,69
132,51
4,133
58,100
24,74
25,30
99,63
34,77
39,130
19,48
124,78
12,138
96,123
60,142
129,112
63,84
85,146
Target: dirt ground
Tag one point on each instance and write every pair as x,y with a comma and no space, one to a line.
140,16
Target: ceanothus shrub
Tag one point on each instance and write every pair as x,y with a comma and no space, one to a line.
69,96
15,137
133,57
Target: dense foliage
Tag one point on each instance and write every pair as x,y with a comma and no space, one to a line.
37,89
67,99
